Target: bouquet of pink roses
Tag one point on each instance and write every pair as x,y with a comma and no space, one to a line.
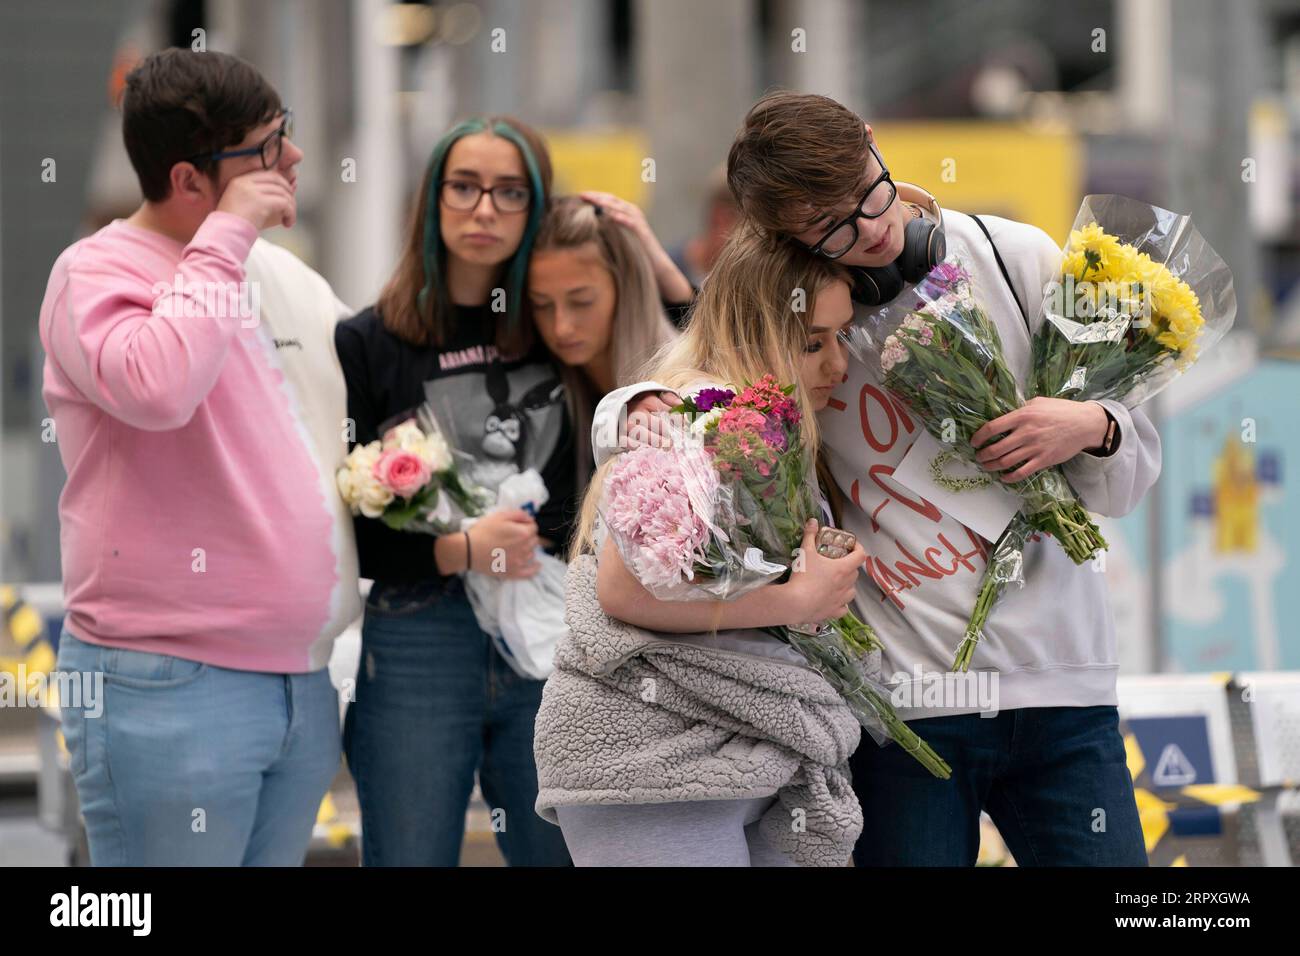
410,479
722,512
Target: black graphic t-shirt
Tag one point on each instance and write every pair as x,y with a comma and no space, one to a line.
509,416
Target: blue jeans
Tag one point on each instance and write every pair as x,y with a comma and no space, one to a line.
1053,779
434,703
190,764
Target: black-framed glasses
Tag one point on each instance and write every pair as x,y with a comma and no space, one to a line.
270,149
464,195
842,236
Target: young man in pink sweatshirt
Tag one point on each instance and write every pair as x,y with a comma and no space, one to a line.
208,563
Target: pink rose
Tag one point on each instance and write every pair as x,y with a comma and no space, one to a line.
401,472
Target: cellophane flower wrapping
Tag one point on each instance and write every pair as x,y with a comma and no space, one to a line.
1140,296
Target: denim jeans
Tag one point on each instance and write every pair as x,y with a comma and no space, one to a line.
190,764
1054,780
435,703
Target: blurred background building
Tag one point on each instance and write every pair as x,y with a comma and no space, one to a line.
1010,107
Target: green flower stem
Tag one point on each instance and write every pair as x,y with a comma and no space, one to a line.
857,634
1073,528
828,654
989,592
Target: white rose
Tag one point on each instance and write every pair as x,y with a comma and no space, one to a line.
349,487
702,423
363,457
403,436
434,450
374,497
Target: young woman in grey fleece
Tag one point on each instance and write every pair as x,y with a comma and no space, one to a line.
709,749
695,738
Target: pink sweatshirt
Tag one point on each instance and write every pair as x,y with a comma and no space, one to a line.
199,517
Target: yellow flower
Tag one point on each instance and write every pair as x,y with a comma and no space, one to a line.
1178,308
1120,261
1148,268
1094,242
1172,305
1074,264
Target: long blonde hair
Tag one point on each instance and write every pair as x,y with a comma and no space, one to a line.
750,320
640,327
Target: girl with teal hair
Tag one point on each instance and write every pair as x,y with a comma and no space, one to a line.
436,703
516,270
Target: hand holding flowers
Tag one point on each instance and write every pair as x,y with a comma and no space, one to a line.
944,359
1139,296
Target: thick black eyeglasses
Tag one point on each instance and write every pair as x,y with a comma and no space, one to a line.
269,149
842,236
464,195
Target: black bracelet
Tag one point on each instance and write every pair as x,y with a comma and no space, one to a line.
1110,444
469,553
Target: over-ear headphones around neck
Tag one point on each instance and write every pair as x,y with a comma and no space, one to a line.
924,247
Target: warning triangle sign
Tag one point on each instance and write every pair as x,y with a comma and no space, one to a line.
1173,769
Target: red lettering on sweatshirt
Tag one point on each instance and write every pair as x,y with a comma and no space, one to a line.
943,558
913,569
893,409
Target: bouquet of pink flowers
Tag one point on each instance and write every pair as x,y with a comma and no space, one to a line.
410,479
722,512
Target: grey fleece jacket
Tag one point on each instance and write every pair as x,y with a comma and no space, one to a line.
631,716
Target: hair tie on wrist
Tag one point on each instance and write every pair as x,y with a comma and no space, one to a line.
469,553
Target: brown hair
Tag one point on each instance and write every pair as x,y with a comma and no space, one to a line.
182,106
414,304
743,326
640,327
796,155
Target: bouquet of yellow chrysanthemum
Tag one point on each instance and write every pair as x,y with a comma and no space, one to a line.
1140,295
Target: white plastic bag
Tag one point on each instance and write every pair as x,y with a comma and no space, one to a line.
524,618
531,617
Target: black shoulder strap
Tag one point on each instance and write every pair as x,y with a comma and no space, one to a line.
1005,275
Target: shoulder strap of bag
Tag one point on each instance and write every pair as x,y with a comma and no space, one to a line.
1005,275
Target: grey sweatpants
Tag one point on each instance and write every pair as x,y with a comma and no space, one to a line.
685,833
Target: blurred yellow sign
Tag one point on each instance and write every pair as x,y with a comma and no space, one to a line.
1002,169
609,161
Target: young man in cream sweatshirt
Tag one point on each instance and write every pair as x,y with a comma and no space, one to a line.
1040,749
